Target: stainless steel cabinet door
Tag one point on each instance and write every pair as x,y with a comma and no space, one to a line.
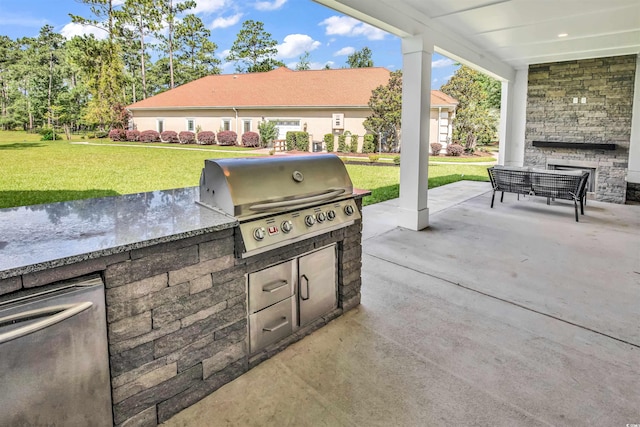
317,284
54,366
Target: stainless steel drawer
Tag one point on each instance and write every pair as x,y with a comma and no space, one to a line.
271,324
268,286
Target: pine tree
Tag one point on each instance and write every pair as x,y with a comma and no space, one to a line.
254,50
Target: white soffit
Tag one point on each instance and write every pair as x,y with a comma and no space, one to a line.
515,32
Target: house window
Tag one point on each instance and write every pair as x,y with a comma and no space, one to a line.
226,124
160,125
191,125
246,126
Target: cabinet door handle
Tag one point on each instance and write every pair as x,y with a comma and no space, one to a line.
272,287
306,285
283,323
50,316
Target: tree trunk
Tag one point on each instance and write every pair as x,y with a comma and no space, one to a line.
171,42
142,62
49,90
470,144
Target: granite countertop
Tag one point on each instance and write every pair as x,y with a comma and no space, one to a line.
34,238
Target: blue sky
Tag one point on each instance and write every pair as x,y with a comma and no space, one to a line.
297,26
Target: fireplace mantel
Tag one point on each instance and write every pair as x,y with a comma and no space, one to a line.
574,145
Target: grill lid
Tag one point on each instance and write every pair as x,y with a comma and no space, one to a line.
256,186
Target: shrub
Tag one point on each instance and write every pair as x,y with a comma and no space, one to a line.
227,137
374,157
206,137
354,144
454,150
169,136
328,142
290,141
117,135
369,145
250,139
101,134
187,137
342,143
396,160
435,148
149,136
133,135
48,134
268,133
302,141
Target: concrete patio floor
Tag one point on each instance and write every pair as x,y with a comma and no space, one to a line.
511,316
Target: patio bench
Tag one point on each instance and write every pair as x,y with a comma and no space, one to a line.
552,184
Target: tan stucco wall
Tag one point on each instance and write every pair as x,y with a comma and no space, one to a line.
318,122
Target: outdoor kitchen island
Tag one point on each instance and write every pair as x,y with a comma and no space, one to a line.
175,288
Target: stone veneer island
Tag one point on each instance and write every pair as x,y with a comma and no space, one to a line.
175,290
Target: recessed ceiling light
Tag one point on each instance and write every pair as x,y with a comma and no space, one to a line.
563,34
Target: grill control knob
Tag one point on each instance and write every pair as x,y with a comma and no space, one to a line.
348,210
309,220
331,215
259,233
286,226
320,216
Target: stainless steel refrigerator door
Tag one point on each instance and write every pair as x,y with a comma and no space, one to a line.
54,366
317,284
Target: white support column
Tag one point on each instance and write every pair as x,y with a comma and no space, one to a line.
513,119
417,52
633,172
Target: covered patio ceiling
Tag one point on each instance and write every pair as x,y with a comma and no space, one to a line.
512,32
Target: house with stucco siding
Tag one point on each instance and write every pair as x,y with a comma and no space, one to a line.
315,101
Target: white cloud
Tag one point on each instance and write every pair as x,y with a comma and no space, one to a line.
347,26
345,51
207,6
224,53
72,29
321,65
295,45
442,63
270,5
223,22
228,67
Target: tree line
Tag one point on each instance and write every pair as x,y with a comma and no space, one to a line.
150,46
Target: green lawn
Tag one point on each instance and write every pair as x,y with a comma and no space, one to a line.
34,172
384,182
450,159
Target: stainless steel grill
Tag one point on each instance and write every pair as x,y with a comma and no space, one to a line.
280,200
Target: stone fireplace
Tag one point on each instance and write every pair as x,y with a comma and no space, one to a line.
579,117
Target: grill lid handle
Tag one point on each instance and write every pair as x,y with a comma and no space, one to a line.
295,202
